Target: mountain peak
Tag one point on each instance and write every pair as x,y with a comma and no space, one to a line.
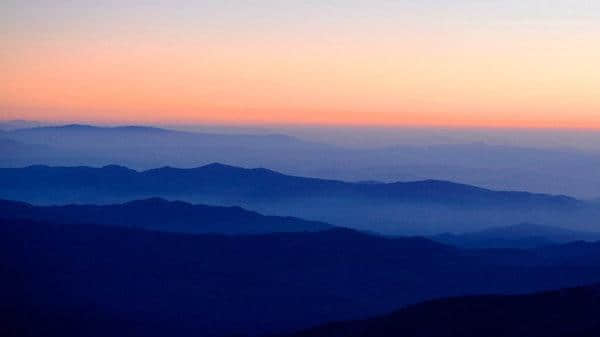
75,126
140,128
216,165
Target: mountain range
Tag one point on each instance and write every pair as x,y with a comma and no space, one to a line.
113,239
421,207
99,280
163,215
177,216
553,171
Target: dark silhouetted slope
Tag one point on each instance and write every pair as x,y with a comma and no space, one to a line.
89,280
562,313
160,214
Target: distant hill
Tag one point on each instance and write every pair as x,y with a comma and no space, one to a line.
19,124
421,207
553,171
89,280
516,236
144,147
562,313
160,214
265,184
81,136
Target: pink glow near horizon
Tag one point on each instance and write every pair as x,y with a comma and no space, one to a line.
429,66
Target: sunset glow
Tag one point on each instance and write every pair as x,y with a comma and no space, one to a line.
472,63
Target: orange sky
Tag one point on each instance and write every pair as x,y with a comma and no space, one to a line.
417,72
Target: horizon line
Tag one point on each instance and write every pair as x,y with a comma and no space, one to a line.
175,123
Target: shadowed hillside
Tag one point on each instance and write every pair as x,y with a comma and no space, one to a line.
563,313
74,280
159,214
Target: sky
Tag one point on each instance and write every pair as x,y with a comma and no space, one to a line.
488,63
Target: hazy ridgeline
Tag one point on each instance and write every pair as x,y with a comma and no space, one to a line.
424,207
555,162
180,217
